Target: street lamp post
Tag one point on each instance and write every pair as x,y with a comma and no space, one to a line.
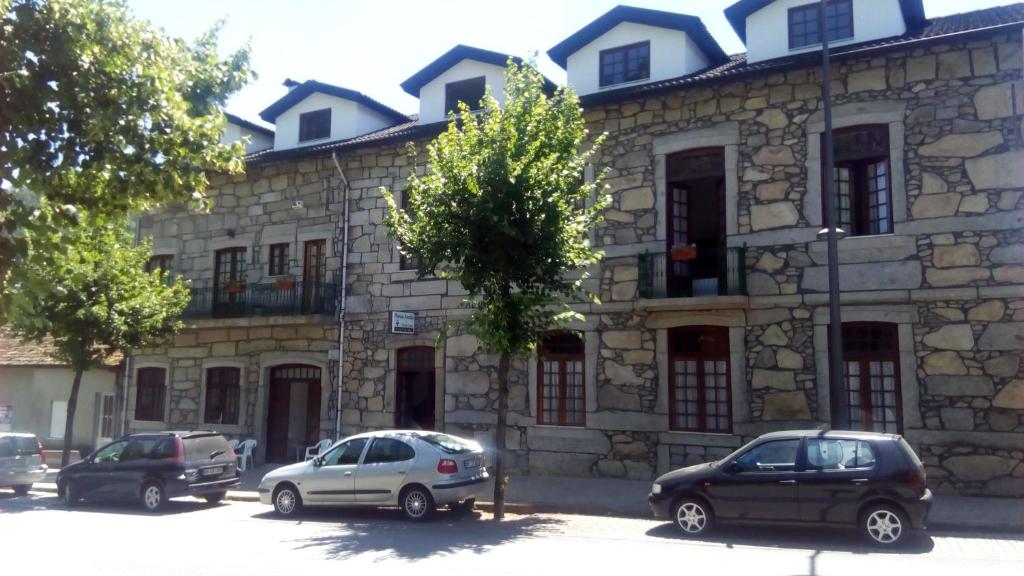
837,392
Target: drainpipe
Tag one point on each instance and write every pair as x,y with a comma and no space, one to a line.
341,311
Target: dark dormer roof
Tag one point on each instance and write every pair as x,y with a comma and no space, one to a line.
238,120
913,14
452,57
302,91
612,18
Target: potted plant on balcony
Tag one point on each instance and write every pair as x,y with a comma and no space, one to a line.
683,252
286,282
234,287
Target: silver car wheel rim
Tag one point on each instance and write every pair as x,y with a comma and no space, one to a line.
285,502
884,526
415,503
152,497
691,518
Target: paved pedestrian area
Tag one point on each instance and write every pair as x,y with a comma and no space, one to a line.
246,538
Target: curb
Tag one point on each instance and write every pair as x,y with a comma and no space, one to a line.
536,508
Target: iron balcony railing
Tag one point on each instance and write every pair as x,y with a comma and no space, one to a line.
262,299
710,271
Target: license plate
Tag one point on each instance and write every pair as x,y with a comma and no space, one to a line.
472,463
213,471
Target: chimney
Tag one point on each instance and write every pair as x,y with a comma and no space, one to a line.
290,84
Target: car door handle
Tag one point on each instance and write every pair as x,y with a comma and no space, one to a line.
787,481
859,480
348,473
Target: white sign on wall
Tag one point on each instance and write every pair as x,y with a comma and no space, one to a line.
403,322
6,417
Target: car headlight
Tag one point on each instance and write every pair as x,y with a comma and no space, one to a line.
656,489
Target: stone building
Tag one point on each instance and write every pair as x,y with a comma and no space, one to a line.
714,315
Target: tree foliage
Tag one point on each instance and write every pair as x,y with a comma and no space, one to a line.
88,293
503,207
101,112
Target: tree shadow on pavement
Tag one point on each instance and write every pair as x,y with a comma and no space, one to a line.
385,534
797,538
12,504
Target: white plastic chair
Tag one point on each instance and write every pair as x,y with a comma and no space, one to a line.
244,453
318,448
234,444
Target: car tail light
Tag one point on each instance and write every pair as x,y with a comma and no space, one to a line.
917,479
42,453
179,452
447,466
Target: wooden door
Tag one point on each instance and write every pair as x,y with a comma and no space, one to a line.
313,273
277,421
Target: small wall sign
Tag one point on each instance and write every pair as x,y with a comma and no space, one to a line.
403,322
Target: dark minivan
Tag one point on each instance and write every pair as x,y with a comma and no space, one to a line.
870,481
152,467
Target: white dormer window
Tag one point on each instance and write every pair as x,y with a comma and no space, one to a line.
804,23
625,64
315,125
470,91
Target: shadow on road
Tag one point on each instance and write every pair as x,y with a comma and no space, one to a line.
12,504
815,539
385,533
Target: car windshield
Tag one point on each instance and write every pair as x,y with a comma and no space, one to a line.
450,444
18,446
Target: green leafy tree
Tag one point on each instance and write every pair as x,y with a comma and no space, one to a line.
503,207
103,113
88,293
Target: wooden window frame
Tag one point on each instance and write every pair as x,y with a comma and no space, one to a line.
863,219
223,385
563,359
312,125
816,18
163,262
864,358
606,79
277,259
153,391
453,93
717,351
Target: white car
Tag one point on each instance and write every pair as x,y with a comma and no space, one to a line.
414,470
22,461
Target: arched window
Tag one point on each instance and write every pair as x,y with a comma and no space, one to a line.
699,395
222,395
560,391
871,374
150,388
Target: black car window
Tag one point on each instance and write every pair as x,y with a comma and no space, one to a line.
346,453
206,447
449,444
139,448
773,456
18,446
166,448
839,454
388,450
111,452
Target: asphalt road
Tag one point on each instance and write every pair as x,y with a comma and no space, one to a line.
195,538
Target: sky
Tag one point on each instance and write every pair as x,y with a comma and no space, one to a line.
373,45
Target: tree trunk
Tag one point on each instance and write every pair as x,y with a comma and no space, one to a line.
69,425
499,438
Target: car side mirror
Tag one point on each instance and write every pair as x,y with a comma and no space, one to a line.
733,468
317,461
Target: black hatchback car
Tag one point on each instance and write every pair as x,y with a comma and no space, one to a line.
871,481
151,468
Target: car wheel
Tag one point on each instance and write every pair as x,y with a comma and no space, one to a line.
153,496
417,503
464,507
884,525
68,492
215,497
287,500
22,489
692,516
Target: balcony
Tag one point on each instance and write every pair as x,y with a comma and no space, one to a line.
712,271
240,300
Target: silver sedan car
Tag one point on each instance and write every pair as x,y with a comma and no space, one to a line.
22,461
414,470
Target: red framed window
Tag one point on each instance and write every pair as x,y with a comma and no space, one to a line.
871,375
561,391
150,387
863,181
699,396
278,259
222,396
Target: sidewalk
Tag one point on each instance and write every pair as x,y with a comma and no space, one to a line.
607,497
